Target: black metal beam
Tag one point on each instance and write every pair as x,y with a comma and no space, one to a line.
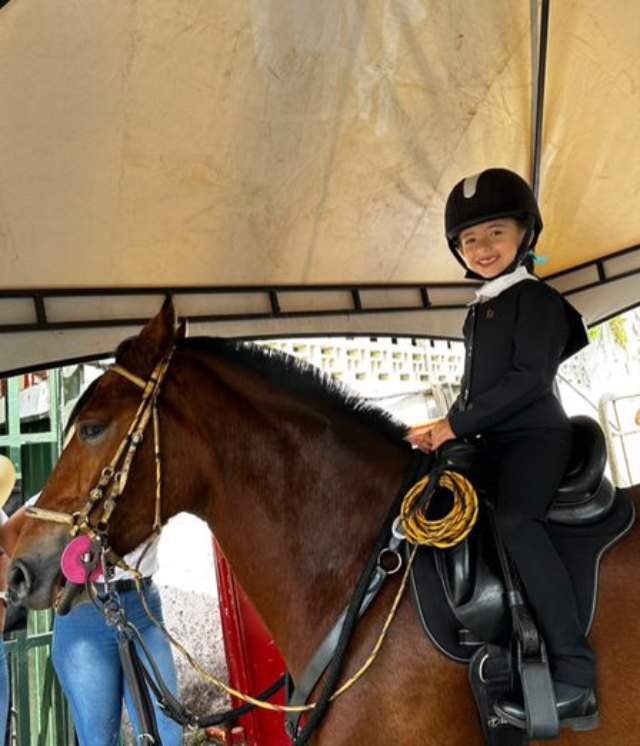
163,290
354,303
538,118
223,317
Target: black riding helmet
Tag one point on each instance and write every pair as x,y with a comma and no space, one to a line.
489,195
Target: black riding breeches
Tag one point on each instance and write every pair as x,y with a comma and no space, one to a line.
530,467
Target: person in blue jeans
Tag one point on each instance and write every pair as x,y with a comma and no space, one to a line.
85,657
84,651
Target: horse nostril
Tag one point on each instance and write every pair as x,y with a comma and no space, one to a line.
19,580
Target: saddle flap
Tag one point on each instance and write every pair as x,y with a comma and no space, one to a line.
473,587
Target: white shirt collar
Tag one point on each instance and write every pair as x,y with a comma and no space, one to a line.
493,288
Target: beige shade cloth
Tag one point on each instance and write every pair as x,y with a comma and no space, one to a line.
165,143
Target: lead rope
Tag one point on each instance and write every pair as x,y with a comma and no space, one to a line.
431,482
211,678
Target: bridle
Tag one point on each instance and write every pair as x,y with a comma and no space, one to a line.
114,477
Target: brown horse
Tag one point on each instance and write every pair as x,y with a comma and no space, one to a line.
295,478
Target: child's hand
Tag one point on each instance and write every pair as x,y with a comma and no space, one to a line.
420,436
431,436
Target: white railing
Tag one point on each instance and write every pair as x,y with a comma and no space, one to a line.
619,416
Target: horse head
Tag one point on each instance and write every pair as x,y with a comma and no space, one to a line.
98,427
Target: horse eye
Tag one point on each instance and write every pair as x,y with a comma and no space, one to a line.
91,430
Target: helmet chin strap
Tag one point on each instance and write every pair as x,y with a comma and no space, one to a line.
523,255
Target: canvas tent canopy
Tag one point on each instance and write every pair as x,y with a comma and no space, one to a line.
281,166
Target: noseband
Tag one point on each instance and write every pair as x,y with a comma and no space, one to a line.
114,477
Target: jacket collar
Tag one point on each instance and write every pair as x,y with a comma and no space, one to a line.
493,288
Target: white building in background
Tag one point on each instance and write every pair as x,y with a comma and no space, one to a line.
415,379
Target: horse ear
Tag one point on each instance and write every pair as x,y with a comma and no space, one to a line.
181,329
160,331
158,336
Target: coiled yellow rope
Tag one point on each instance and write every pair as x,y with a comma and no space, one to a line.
445,532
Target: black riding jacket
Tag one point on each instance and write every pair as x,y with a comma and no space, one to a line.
514,344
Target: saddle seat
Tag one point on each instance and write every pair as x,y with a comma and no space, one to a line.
585,494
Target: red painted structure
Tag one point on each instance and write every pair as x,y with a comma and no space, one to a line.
253,661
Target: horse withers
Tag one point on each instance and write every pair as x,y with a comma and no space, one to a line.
295,477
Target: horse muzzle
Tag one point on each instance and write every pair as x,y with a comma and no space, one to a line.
41,587
29,587
20,581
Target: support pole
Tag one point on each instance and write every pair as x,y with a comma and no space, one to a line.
540,32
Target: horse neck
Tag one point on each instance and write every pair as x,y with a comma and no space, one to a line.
298,499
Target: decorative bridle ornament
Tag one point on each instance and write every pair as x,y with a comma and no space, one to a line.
114,477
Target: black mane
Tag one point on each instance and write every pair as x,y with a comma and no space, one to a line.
300,377
290,373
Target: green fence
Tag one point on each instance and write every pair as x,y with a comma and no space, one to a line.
39,712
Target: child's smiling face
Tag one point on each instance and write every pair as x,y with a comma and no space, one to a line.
489,248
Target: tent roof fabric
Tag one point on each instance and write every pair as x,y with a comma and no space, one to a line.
269,144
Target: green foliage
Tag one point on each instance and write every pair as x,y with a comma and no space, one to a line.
617,328
619,333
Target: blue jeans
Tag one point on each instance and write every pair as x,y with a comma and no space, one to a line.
4,690
85,657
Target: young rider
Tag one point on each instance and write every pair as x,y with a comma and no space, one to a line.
517,333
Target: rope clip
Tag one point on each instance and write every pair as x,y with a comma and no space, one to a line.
397,529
